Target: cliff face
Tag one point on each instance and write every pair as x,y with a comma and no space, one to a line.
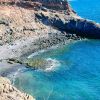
61,10
76,25
22,20
9,92
18,18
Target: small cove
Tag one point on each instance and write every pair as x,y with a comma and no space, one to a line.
76,77
75,74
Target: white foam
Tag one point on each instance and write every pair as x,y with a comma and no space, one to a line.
36,53
42,51
52,64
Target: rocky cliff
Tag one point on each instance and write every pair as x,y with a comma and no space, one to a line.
27,21
73,24
9,92
19,22
19,18
27,26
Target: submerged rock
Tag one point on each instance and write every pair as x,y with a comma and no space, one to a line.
38,63
43,64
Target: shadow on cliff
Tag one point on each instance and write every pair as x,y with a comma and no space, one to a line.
78,26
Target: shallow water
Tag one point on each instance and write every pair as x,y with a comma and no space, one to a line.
76,78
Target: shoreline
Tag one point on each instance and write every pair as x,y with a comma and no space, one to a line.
57,46
20,50
22,60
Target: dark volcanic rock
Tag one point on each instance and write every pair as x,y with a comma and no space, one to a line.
77,25
83,27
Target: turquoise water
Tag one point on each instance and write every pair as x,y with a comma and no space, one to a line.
74,73
76,77
89,9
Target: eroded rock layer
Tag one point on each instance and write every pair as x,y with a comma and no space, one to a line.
23,22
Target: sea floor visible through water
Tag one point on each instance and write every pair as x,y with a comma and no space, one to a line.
74,75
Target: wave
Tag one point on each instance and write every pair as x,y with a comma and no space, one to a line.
42,51
52,64
36,53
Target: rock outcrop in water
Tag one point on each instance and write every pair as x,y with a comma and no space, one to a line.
9,92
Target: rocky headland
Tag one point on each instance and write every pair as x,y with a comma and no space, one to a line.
27,26
24,22
23,31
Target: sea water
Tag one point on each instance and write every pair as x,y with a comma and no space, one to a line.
74,71
89,9
75,75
